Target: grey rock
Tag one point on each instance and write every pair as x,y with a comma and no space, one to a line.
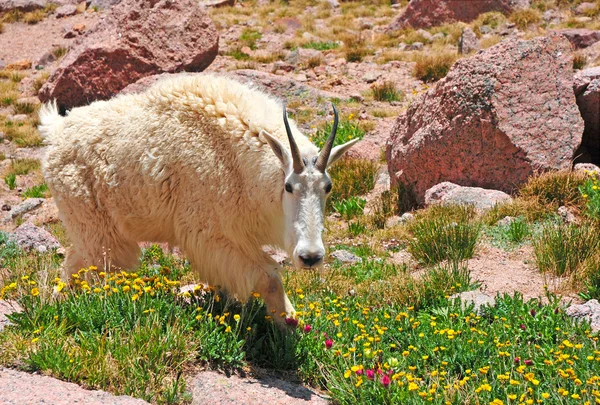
28,205
567,215
438,36
416,46
334,3
428,37
6,308
468,42
104,4
585,7
346,257
17,117
476,297
66,10
590,167
590,311
450,193
21,5
371,76
506,221
31,237
407,216
485,29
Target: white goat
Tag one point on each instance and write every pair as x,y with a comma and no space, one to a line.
199,162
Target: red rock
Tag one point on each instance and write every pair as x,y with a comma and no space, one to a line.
136,38
587,90
429,13
581,37
493,121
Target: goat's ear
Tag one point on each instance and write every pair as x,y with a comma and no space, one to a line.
278,149
339,151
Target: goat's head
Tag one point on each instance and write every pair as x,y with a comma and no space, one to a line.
305,190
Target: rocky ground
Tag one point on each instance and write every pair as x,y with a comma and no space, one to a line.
266,44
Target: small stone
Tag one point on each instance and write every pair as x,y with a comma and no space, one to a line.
416,46
6,207
585,7
357,97
567,215
589,167
26,206
428,37
438,36
590,311
66,10
468,42
407,216
371,76
485,29
17,117
79,28
286,67
477,298
507,220
334,3
346,257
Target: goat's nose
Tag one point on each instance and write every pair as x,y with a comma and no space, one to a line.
310,260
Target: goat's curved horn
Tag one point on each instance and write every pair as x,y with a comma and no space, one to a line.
297,160
321,163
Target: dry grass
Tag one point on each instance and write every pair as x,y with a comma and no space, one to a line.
386,91
39,81
269,58
431,68
355,48
34,17
525,17
492,19
393,54
24,133
490,41
579,60
555,188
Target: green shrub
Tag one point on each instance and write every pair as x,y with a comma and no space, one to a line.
11,181
321,46
350,208
39,191
590,192
439,237
562,248
249,37
386,91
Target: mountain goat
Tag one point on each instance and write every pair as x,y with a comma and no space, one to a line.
199,162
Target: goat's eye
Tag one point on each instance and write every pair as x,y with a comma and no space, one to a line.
328,188
288,187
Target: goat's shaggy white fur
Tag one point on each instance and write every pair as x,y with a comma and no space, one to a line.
184,162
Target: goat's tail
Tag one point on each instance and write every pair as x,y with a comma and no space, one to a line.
51,122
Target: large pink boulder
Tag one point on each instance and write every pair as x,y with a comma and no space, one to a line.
137,38
496,118
429,13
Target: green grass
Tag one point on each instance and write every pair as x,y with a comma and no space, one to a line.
561,249
11,181
347,130
351,178
386,91
350,208
512,235
321,46
39,191
590,192
249,37
446,233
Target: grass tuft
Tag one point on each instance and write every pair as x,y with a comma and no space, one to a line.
386,91
444,233
523,18
351,178
431,68
562,248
